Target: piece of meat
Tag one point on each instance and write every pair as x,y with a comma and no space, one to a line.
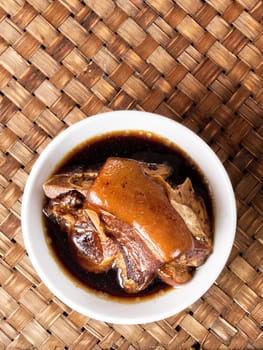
137,264
180,270
63,183
174,273
123,189
91,248
155,169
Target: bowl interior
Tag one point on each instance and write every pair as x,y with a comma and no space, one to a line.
164,305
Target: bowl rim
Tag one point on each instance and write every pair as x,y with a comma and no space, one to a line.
131,117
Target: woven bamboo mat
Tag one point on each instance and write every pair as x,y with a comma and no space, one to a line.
197,62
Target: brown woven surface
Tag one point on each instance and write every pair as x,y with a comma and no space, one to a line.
197,62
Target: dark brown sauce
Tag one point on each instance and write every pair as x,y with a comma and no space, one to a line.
91,155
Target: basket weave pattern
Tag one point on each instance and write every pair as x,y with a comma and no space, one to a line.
197,62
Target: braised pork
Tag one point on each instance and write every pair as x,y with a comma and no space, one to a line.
90,247
137,264
63,183
124,190
126,216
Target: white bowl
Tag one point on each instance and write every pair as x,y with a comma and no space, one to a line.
155,308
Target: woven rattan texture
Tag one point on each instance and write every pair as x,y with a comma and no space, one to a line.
197,62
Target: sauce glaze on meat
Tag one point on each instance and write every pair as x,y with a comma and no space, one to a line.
91,156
